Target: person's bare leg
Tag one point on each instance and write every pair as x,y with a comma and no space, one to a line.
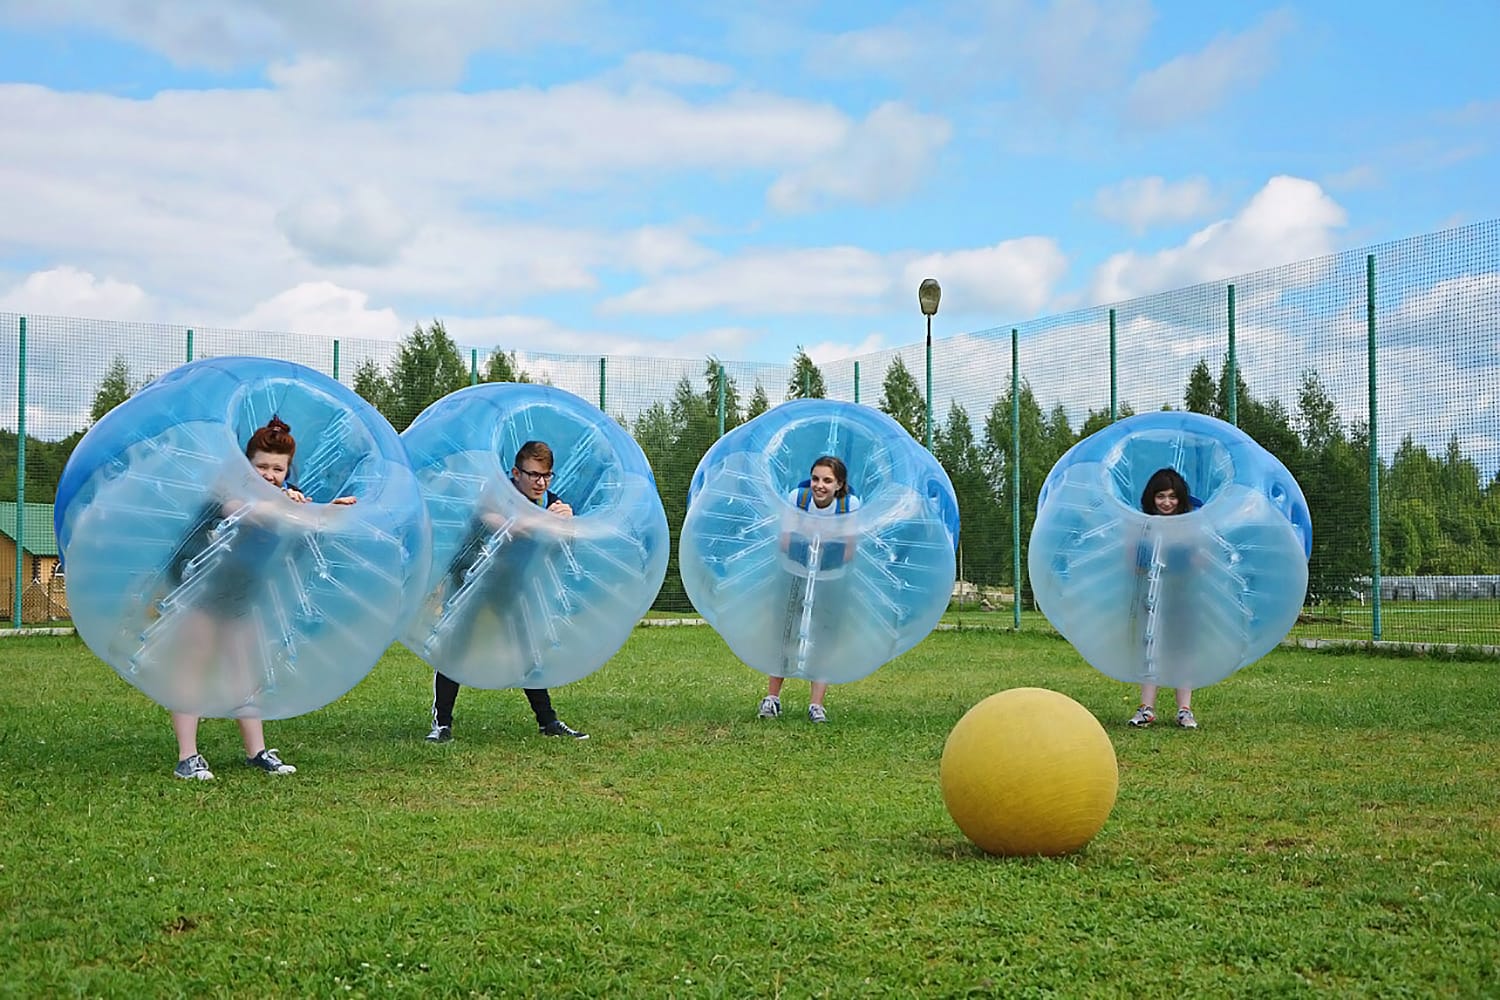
1146,713
1185,698
253,733
815,712
185,727
770,705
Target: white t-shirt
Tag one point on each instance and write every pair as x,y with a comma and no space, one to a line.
831,510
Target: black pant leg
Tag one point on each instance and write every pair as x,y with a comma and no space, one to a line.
444,694
541,704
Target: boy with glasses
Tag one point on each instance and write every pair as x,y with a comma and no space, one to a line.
531,474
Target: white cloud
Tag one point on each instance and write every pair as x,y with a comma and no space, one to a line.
204,179
1289,219
1475,113
1144,202
1454,319
362,227
881,49
830,351
67,291
824,280
673,69
1013,278
1192,85
1361,177
331,41
885,156
325,309
1073,49
534,334
654,250
1058,54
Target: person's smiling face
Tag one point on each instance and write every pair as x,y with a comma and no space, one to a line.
824,485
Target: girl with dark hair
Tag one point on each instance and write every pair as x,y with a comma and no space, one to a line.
825,495
215,621
1166,494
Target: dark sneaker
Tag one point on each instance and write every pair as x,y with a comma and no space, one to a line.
1143,717
558,727
268,762
1185,718
815,713
770,707
193,768
440,734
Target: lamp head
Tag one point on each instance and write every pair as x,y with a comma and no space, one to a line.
928,294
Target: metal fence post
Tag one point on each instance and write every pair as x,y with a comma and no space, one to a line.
20,473
1374,452
1234,371
1114,385
929,382
1015,465
601,383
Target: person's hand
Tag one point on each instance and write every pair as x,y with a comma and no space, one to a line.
296,496
344,501
561,509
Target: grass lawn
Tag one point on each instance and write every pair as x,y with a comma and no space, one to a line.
1463,623
1331,830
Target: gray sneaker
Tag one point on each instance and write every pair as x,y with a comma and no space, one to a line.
1185,719
815,713
1143,717
193,768
268,762
770,707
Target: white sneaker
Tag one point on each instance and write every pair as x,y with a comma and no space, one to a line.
1185,718
770,707
269,762
815,713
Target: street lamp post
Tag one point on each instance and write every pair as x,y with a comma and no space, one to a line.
928,294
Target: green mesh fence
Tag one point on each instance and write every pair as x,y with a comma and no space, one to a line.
1286,353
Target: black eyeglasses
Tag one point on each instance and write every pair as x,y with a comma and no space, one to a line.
536,477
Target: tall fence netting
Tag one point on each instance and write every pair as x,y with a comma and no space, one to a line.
1285,353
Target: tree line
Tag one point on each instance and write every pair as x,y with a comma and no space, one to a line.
1438,516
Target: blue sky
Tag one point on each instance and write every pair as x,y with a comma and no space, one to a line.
661,180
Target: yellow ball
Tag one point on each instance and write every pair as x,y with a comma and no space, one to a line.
1029,771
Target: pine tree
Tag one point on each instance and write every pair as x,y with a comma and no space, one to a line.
806,380
503,367
116,387
901,398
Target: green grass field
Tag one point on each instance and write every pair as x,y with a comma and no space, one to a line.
1331,830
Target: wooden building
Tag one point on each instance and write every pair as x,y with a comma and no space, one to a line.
43,593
